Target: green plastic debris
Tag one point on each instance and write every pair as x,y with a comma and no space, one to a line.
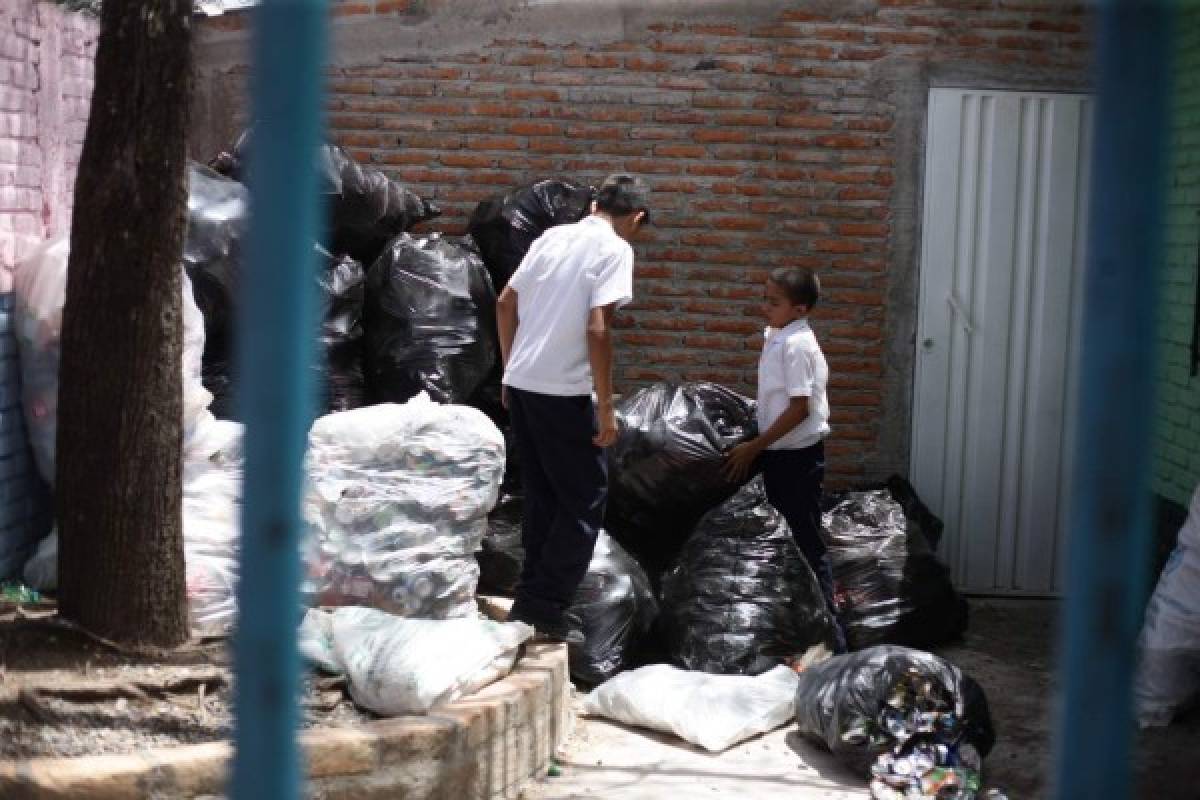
555,770
19,593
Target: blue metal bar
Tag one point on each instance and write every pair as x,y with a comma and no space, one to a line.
277,327
1110,511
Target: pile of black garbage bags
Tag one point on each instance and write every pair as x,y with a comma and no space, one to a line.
703,572
400,313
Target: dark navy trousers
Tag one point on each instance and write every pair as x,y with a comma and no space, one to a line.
566,486
794,481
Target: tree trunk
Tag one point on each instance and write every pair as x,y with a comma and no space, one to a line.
121,571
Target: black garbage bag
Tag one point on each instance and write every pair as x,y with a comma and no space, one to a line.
430,321
865,704
218,214
890,587
665,469
218,218
506,225
742,599
366,208
501,555
342,285
614,602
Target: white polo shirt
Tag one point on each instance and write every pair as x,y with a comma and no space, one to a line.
568,271
792,365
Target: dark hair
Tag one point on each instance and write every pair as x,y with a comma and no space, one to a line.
623,194
801,286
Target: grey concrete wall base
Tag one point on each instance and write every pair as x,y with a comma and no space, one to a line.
483,747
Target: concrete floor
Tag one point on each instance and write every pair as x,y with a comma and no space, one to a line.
1008,649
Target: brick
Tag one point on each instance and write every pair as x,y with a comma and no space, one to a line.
738,224
865,229
466,160
524,93
535,128
715,100
560,78
641,64
591,60
680,151
494,143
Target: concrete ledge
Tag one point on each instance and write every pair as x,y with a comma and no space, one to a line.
484,747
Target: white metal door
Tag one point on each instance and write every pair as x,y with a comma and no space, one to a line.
1006,182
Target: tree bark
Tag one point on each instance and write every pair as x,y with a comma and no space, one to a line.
121,570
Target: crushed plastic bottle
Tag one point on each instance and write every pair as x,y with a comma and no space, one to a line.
19,594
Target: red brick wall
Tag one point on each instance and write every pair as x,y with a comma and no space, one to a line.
45,91
771,141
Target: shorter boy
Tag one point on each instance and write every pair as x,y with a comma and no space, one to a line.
793,420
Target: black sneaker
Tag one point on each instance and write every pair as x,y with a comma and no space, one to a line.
565,630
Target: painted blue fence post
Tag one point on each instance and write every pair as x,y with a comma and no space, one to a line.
1110,511
277,328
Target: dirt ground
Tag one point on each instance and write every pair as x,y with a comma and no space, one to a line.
63,693
1008,649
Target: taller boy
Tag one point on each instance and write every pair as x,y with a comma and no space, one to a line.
555,322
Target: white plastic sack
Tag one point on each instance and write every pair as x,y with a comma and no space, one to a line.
398,506
40,285
1168,676
407,666
712,711
212,508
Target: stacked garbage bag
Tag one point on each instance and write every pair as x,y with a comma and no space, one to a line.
742,599
366,208
912,723
398,506
399,666
212,507
213,253
666,467
615,602
40,287
890,586
1168,676
430,321
505,226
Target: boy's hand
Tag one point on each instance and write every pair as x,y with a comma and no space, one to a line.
607,419
740,460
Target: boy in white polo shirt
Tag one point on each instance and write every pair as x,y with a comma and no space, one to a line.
793,420
555,319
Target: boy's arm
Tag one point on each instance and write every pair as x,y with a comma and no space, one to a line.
600,355
506,326
741,458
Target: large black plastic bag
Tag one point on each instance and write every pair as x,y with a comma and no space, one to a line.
742,599
501,554
666,467
843,703
366,208
430,321
342,285
506,225
218,218
890,587
614,602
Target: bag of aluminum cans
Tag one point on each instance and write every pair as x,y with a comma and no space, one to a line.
908,720
398,505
